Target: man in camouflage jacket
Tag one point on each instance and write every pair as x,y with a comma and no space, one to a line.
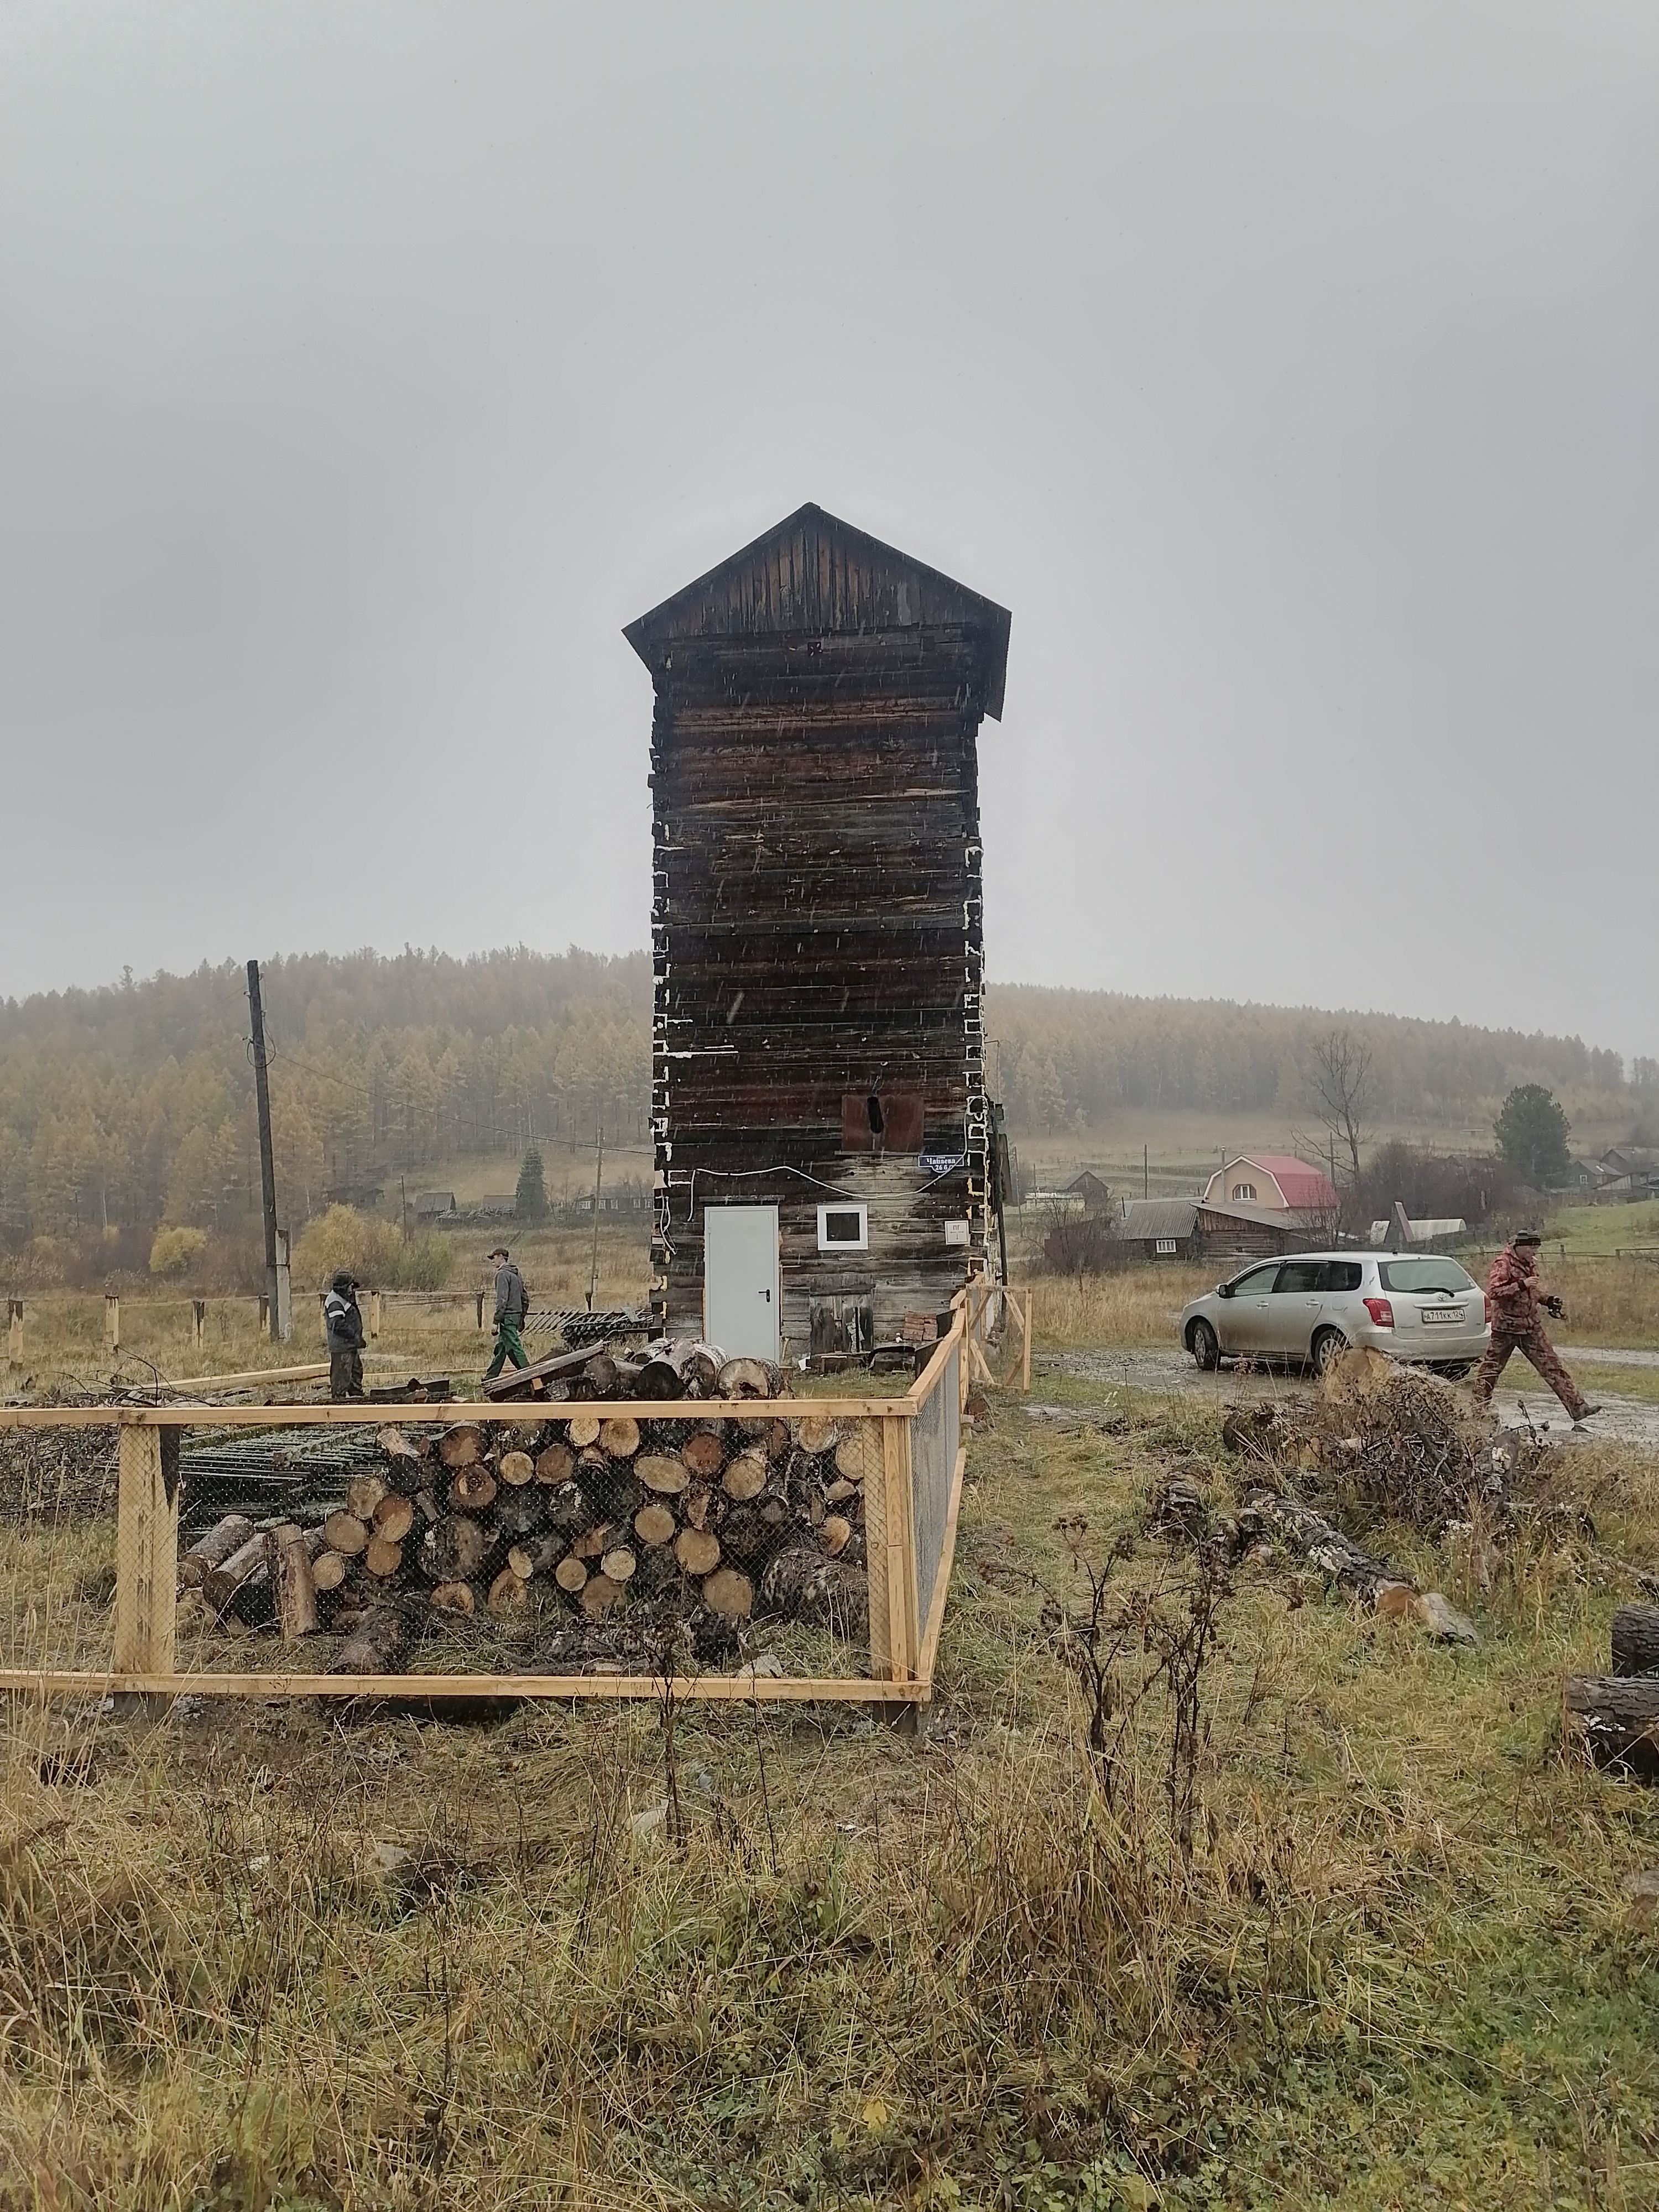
1514,1298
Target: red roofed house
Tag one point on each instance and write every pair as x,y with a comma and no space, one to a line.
1276,1182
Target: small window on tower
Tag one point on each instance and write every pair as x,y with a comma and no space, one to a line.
843,1228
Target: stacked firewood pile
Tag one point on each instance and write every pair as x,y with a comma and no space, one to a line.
578,1538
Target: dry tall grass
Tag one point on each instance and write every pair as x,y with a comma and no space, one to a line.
1141,1305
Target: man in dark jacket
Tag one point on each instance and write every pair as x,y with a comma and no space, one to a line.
1514,1299
344,1322
512,1304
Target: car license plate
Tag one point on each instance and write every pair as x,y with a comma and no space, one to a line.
1442,1313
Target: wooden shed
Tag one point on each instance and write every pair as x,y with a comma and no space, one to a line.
818,1080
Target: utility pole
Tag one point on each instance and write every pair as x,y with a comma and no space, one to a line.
277,1275
1146,1171
599,1169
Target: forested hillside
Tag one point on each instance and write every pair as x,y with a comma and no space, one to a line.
124,1108
1072,1059
134,1105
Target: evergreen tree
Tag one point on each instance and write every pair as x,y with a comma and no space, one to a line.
1532,1134
530,1199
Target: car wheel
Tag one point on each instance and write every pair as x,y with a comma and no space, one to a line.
1202,1342
1326,1346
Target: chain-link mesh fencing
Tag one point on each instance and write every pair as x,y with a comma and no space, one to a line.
586,1540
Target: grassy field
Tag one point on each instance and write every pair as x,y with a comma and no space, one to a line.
270,1957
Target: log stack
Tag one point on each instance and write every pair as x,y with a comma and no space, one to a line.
580,1536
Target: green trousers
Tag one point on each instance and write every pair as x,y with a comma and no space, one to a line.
509,1345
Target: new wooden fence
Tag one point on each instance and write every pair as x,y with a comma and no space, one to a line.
63,1637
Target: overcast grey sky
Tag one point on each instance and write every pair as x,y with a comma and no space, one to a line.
1290,371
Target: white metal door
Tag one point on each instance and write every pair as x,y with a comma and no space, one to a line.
740,1280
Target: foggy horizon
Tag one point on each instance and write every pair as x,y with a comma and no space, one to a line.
1290,375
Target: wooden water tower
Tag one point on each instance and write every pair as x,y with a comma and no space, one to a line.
817,934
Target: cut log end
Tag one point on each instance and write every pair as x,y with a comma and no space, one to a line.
858,1455
834,1533
461,1446
515,1469
698,1551
394,1516
344,1532
746,1477
472,1490
667,1477
703,1454
729,1592
383,1558
654,1525
556,1464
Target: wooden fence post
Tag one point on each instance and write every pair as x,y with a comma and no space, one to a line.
197,1321
14,1331
480,1300
1025,1378
374,1314
111,1321
146,1549
889,1535
265,1313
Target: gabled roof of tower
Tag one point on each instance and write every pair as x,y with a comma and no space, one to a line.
812,574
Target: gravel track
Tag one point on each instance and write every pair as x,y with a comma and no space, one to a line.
1171,1373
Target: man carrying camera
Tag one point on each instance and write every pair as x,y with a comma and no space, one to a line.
1515,1296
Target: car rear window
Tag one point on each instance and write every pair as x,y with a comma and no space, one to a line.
1428,1273
1319,1275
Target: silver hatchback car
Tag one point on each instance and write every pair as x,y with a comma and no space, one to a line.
1420,1306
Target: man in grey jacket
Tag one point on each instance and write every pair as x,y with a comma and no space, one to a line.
512,1305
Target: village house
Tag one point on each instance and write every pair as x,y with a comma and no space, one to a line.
1276,1183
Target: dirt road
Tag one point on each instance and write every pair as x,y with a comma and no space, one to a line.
1171,1374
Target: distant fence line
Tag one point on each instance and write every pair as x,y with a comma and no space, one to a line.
575,1323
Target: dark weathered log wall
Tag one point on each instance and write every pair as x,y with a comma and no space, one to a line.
817,931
